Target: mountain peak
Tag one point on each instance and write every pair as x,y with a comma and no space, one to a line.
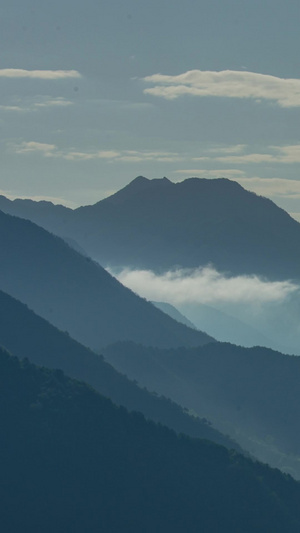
138,181
213,184
141,182
136,186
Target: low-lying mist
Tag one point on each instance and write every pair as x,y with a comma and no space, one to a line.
244,310
204,285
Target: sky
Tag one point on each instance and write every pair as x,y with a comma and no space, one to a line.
96,93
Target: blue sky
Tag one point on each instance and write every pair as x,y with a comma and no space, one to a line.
96,93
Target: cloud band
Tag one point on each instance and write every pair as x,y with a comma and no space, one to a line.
226,84
204,285
39,74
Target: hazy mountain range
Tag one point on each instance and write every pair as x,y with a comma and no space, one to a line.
157,224
25,334
77,295
161,226
217,323
251,394
65,447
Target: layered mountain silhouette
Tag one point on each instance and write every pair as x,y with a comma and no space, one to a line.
174,313
220,325
77,295
227,328
251,394
25,334
158,224
71,461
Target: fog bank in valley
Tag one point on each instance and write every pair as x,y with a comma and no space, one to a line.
246,310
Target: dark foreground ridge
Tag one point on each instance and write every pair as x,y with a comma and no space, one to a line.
71,461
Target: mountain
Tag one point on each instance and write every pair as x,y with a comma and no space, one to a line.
251,394
174,313
71,461
25,334
222,326
157,224
41,212
227,328
77,295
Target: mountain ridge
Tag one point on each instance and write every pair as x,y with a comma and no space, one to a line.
251,394
76,294
157,224
71,461
25,334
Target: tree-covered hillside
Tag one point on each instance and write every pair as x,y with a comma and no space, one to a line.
25,334
71,461
251,394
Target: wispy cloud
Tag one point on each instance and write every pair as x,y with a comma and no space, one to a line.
226,84
126,156
12,108
270,186
230,149
39,74
32,146
240,155
204,285
131,156
75,155
39,102
215,173
52,102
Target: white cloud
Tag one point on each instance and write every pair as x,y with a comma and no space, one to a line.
288,154
11,108
226,84
53,102
145,155
39,74
50,150
204,285
231,149
35,104
248,158
32,146
125,156
84,156
216,173
271,186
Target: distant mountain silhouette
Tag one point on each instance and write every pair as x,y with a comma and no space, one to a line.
251,394
36,211
157,224
25,334
227,328
77,295
174,313
221,325
72,462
